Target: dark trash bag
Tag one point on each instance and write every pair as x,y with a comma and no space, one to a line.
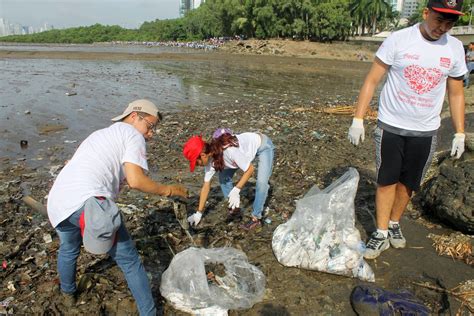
370,300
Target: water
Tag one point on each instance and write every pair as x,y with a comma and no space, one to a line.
33,92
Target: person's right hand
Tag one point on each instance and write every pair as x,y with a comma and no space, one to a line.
178,190
195,218
356,131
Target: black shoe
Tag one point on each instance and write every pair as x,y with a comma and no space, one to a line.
234,215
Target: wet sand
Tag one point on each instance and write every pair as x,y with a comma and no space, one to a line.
312,148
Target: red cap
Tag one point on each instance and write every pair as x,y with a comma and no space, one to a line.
192,149
446,6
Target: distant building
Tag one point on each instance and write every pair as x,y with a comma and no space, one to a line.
397,5
9,28
187,5
409,8
197,3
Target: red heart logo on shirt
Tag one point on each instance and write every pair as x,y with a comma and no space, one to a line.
421,79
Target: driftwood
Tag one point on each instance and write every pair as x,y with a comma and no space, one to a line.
35,205
466,297
455,245
339,110
349,110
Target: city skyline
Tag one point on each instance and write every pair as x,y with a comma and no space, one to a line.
73,13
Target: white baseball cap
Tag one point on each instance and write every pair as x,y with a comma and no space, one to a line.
143,106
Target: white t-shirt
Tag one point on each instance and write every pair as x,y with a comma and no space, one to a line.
413,94
96,169
237,157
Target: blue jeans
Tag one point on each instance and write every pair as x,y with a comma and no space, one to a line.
265,155
470,67
123,252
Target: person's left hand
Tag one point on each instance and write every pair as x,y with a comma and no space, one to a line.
458,145
234,198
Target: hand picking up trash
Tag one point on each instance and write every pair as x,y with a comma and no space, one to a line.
321,234
225,154
81,203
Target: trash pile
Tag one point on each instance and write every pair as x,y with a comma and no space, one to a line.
456,245
212,281
321,234
465,294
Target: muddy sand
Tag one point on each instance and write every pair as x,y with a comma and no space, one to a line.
311,148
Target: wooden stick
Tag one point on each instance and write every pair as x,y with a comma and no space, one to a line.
432,287
35,205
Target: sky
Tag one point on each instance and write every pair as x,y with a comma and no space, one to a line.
71,13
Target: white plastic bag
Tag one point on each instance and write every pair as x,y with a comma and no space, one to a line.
186,285
321,234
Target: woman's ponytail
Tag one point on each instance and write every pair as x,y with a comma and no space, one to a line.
217,147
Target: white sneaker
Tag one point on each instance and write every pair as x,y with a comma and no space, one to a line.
376,244
395,237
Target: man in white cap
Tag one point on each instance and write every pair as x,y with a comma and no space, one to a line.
422,62
81,207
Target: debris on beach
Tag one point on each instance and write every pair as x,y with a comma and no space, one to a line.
50,128
464,293
456,245
349,110
338,110
199,279
312,149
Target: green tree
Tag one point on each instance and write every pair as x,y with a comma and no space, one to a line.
331,21
360,16
377,10
264,19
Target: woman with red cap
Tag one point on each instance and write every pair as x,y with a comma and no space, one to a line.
226,153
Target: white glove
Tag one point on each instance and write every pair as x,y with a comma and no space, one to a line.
458,145
195,218
234,198
356,131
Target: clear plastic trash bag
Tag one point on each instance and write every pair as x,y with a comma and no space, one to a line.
321,234
185,284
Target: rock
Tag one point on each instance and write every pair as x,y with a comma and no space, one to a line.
450,195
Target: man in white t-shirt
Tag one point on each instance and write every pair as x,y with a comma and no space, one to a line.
81,202
422,61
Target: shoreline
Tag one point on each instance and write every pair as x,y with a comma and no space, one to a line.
344,51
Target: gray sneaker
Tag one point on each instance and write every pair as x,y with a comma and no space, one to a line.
396,237
376,244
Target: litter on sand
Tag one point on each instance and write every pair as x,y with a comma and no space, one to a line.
456,245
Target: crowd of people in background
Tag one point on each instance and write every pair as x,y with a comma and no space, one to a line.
209,44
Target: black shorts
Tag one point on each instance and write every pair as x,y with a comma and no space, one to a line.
403,159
